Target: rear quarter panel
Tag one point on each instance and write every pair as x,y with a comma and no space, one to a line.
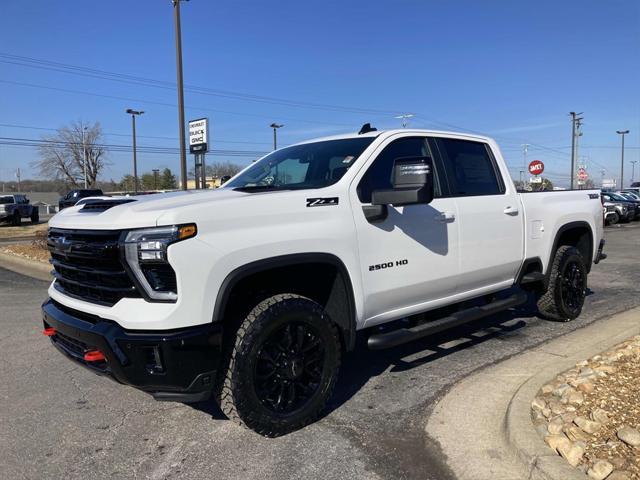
547,212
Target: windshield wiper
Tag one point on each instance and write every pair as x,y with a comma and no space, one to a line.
259,188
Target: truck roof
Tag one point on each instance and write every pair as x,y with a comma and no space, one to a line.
377,133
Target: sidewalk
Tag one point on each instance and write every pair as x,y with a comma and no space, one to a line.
41,271
483,424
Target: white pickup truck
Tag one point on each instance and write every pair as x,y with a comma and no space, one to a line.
251,293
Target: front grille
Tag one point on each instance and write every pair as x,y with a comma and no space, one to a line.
87,265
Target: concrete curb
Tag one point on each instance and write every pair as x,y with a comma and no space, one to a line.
483,423
24,266
526,442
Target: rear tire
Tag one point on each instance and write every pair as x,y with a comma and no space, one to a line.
283,366
35,215
16,221
564,297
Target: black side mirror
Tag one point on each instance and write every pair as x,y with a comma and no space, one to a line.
412,183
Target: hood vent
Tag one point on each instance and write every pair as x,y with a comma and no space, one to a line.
97,206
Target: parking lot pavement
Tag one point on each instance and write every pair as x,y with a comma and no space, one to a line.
60,421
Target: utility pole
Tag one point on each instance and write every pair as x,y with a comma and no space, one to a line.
575,123
155,178
18,177
633,169
602,172
275,127
622,133
183,148
133,114
405,118
84,156
525,150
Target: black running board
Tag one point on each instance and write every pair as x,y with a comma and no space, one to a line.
404,335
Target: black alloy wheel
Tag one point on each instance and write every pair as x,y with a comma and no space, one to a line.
288,367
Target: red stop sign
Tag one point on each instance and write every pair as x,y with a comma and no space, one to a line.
536,167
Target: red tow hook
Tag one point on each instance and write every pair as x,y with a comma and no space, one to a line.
94,356
49,332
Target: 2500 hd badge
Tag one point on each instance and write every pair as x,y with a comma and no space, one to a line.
382,266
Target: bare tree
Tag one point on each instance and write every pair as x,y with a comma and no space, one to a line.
220,169
62,156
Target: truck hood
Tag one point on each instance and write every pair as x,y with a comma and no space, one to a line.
142,210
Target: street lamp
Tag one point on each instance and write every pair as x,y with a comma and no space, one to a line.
133,114
275,127
183,148
622,133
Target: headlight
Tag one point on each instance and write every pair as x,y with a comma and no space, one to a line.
145,252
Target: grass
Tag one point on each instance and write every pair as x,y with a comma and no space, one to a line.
25,230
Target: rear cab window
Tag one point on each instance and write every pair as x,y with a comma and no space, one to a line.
470,167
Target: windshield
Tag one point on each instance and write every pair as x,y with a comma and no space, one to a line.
620,198
6,200
310,165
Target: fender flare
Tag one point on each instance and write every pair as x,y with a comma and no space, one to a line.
347,324
554,248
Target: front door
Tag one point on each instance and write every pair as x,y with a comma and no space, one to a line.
409,259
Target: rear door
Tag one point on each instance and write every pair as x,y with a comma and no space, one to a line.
490,221
410,258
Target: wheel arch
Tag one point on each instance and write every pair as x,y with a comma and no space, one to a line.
302,273
577,234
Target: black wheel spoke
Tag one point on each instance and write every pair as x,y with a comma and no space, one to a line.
289,367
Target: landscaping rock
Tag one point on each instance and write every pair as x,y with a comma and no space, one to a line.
629,435
600,470
587,425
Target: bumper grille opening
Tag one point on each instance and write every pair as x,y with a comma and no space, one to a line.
87,265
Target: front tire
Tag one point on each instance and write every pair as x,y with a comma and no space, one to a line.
283,366
564,297
613,219
16,221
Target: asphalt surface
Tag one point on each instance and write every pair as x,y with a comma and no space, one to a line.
58,420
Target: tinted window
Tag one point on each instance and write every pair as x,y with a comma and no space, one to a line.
380,174
310,165
6,200
470,168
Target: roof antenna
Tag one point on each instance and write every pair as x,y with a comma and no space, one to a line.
366,128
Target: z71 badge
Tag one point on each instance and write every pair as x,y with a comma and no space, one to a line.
322,202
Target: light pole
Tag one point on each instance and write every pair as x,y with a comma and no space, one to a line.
183,149
155,178
133,114
84,157
275,127
622,133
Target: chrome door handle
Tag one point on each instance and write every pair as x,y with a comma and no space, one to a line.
445,217
513,211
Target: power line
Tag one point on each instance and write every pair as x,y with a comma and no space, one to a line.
150,82
29,127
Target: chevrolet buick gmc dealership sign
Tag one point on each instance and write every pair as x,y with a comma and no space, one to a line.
199,135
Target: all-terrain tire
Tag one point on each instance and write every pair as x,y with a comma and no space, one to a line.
564,297
240,393
35,215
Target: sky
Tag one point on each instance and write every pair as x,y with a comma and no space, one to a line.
509,69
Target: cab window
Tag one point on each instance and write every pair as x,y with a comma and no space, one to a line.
470,168
380,173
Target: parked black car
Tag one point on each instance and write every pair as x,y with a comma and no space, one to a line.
71,198
617,198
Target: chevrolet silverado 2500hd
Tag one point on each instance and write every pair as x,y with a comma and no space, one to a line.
251,293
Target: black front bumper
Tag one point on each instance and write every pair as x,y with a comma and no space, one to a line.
178,365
